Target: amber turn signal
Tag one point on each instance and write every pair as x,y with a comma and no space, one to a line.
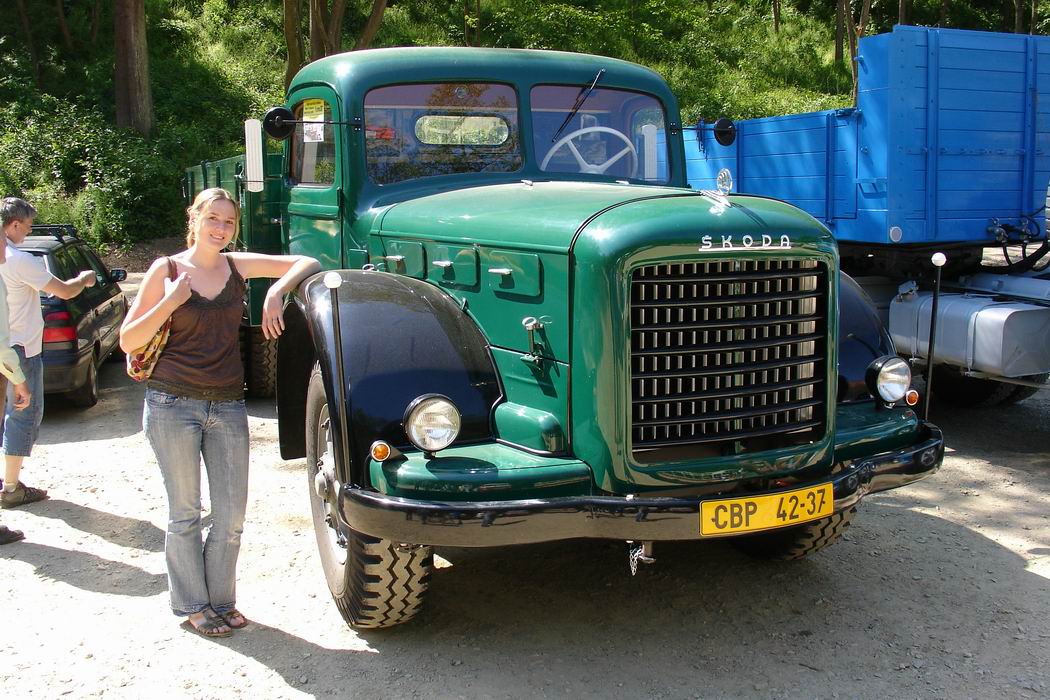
912,397
380,451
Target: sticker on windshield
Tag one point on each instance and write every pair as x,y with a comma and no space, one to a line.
313,111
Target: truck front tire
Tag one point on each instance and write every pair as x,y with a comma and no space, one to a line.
375,583
799,541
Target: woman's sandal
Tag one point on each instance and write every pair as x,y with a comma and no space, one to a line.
211,626
235,619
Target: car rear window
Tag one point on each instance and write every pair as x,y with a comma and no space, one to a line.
51,264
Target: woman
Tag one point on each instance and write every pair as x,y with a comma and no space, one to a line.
195,399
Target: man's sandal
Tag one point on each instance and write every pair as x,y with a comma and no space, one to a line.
7,535
235,619
211,626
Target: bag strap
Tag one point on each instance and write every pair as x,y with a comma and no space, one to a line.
173,270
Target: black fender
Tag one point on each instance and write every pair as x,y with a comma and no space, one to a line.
401,338
862,338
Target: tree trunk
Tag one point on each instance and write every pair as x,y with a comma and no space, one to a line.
1031,22
902,11
943,20
318,28
96,20
776,16
1018,16
840,28
63,27
28,31
134,102
335,27
856,31
293,40
372,25
466,22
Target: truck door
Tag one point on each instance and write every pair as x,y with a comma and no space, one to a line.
313,218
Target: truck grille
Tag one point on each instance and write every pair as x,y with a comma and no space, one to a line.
727,356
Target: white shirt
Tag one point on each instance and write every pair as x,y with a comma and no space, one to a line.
9,366
25,275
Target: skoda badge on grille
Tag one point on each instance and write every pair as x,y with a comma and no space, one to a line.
724,181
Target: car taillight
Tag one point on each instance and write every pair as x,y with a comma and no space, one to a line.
57,328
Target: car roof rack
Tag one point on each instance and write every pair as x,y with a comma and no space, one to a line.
59,231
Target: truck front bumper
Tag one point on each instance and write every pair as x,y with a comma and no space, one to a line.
496,523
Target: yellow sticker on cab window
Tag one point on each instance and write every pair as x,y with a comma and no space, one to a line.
313,111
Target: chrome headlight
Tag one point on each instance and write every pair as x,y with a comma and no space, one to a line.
432,422
889,378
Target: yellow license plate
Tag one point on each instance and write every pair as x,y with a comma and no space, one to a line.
751,514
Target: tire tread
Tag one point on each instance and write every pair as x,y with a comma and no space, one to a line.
799,541
262,365
385,584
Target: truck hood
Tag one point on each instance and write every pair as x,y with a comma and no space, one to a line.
546,216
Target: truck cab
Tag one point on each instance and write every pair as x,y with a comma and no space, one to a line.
532,329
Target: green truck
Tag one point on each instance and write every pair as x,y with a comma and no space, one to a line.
532,329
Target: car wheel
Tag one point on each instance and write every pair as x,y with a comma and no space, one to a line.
799,541
87,395
375,583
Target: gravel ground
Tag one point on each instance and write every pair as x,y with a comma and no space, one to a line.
942,589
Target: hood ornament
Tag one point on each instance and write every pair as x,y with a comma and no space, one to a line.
724,181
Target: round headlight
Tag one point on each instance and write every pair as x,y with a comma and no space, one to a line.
432,422
889,378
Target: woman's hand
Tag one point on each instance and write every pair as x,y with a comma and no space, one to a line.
273,315
177,290
22,396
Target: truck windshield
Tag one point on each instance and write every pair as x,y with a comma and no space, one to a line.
421,130
616,133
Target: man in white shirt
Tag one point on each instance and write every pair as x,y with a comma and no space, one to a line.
25,277
9,366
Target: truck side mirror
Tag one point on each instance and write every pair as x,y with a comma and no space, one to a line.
279,123
253,156
725,131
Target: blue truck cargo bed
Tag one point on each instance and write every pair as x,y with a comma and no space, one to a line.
951,130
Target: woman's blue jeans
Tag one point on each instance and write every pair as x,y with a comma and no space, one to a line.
181,430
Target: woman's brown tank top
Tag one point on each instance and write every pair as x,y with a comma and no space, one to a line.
202,358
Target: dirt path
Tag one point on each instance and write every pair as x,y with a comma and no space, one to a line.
942,590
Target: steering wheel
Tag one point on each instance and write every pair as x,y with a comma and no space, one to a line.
594,168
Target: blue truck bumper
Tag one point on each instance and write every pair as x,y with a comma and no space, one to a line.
497,523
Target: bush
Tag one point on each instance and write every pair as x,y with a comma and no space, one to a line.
74,167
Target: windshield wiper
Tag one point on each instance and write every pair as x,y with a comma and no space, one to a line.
580,99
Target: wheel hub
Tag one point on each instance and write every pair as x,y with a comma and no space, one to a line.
325,486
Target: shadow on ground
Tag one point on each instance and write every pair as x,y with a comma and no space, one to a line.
550,617
117,414
86,571
116,529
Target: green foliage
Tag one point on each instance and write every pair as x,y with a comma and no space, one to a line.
76,167
215,62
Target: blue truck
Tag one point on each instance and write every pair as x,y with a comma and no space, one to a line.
947,150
